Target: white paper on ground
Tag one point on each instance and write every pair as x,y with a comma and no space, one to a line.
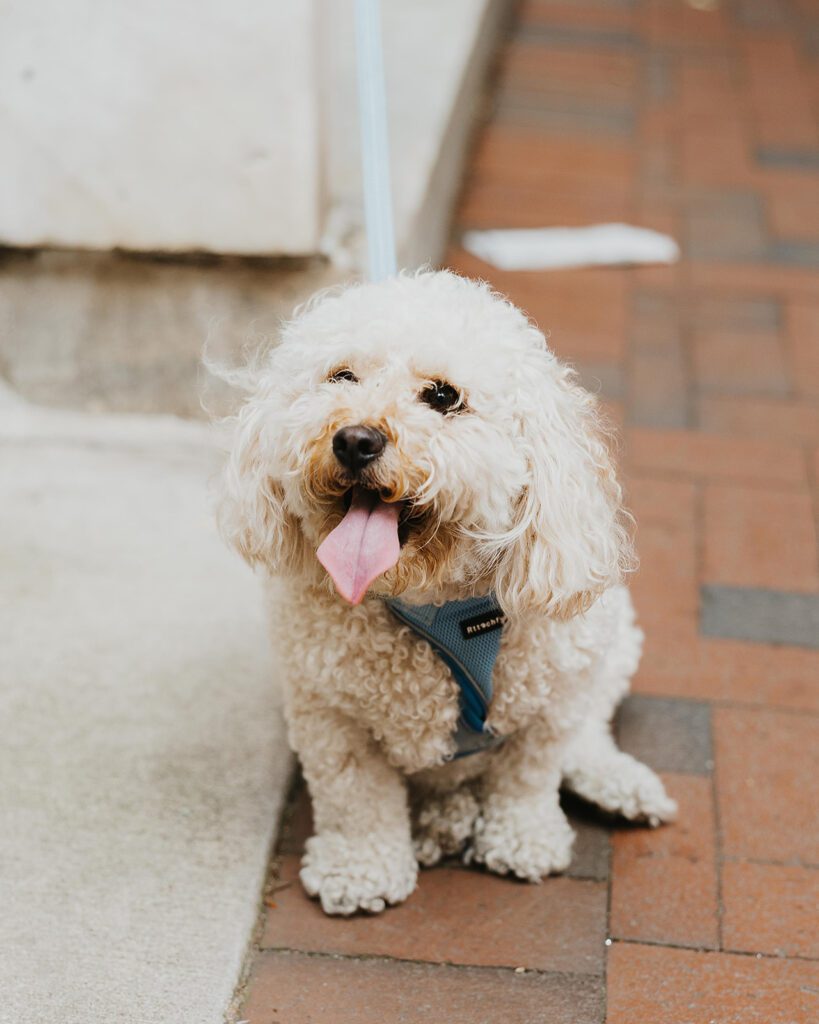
554,248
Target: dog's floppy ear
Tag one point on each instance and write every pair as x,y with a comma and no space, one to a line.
251,510
570,539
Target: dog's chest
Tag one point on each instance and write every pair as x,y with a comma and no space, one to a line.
420,711
384,675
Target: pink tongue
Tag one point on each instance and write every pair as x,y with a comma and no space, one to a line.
362,546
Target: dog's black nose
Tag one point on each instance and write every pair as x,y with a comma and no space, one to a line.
355,447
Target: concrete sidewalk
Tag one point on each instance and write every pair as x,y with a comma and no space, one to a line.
142,755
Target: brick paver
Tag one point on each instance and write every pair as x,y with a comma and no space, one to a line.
774,616
668,735
699,119
767,764
664,985
719,669
779,419
739,363
759,538
770,908
664,882
456,917
291,988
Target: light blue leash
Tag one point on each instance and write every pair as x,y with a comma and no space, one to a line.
375,152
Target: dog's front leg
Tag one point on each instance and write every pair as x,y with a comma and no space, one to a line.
361,857
522,829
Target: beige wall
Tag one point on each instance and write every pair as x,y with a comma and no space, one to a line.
171,125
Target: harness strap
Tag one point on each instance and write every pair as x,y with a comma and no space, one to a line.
466,636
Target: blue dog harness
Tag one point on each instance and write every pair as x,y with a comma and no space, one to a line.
466,636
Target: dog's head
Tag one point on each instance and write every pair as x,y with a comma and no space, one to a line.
420,437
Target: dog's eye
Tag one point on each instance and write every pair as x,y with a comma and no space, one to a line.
343,373
442,397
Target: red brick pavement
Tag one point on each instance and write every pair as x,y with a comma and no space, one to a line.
699,119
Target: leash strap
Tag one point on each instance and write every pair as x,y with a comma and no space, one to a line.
466,636
375,153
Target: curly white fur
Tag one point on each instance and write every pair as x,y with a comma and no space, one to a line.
517,494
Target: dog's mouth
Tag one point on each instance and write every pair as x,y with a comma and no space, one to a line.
410,517
367,542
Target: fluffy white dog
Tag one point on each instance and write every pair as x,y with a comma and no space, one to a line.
417,438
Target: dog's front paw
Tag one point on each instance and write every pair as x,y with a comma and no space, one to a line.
357,874
530,843
443,825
